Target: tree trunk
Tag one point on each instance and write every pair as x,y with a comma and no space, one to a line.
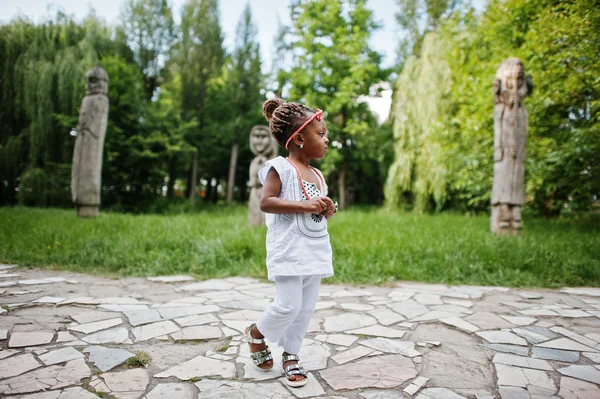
342,189
171,182
194,182
232,167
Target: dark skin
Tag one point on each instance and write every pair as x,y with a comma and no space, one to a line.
309,144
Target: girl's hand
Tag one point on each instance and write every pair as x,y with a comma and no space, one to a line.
330,209
316,205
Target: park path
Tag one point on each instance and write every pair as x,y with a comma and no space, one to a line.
66,335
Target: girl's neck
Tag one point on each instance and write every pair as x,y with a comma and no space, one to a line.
299,158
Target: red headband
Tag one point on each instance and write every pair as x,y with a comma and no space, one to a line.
318,116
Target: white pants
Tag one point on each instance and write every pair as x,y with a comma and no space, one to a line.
286,319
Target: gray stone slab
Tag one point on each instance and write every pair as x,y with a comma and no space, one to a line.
60,356
197,332
149,331
23,339
96,326
134,380
8,353
502,337
487,321
566,344
582,291
519,320
576,337
182,311
107,358
17,365
352,354
199,366
347,321
521,361
219,389
378,331
142,316
535,334
375,372
93,315
571,388
196,320
438,393
554,354
406,348
460,324
514,349
585,373
594,357
117,335
380,394
171,279
409,308
387,317
208,285
47,378
173,390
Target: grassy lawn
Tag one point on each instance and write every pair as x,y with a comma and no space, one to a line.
371,246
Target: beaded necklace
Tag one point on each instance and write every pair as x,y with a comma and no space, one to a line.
300,178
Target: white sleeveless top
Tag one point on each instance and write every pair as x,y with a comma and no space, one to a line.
297,244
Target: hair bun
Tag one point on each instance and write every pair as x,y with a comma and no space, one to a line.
270,106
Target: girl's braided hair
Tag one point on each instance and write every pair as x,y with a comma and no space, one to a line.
285,118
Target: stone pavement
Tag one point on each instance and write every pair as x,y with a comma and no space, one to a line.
68,336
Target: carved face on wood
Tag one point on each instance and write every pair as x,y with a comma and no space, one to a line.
511,79
261,141
97,81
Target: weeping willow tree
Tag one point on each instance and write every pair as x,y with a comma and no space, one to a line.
418,174
41,86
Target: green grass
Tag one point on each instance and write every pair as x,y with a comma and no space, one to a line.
371,246
141,359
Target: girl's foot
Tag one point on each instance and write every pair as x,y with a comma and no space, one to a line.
295,375
259,351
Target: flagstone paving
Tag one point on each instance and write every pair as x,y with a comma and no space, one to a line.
67,336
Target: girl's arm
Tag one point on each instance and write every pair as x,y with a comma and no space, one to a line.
271,203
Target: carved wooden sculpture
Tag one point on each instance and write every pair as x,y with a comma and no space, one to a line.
510,140
87,154
264,146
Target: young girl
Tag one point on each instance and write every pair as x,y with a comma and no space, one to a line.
295,201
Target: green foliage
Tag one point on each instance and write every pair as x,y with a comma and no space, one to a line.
148,29
416,18
41,82
49,187
419,168
558,43
370,246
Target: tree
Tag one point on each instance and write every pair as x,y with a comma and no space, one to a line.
41,86
245,83
148,29
167,130
419,166
201,56
558,43
333,67
416,18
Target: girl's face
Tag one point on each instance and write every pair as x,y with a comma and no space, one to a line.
315,139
